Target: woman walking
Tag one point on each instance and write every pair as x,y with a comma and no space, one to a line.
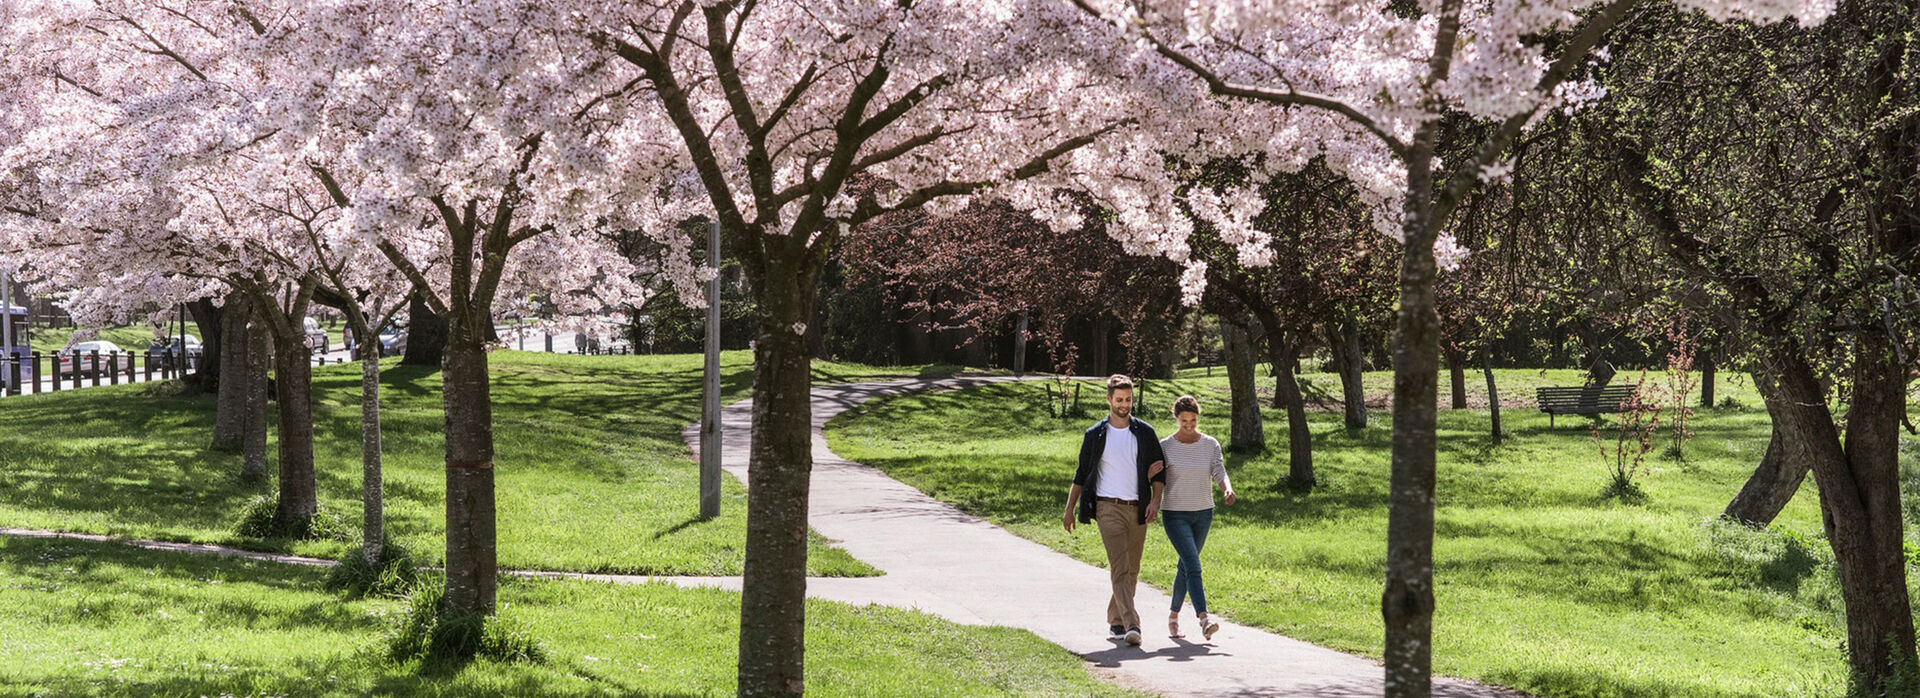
1194,464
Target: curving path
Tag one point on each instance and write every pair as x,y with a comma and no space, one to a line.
944,561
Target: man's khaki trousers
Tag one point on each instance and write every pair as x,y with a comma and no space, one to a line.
1125,539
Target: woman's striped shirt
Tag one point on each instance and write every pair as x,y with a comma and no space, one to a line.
1191,471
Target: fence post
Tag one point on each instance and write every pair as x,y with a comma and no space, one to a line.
94,369
37,375
113,368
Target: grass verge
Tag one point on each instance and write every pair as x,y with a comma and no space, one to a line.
592,474
94,619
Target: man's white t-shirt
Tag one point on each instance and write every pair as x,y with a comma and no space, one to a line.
1119,465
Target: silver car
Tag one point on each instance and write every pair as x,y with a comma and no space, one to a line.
79,358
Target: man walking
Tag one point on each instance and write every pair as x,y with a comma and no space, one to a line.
1118,484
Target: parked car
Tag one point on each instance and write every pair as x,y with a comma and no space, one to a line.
167,349
188,345
79,358
316,336
393,341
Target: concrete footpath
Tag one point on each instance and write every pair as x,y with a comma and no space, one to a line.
943,561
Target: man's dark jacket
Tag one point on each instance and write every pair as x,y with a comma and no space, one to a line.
1094,444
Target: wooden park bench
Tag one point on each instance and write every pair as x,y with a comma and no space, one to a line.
1596,399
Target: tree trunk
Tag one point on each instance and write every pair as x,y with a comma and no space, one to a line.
1859,498
468,403
773,600
1100,341
1493,395
1020,346
1299,436
293,380
1248,432
1708,372
207,319
1406,601
259,351
1349,358
372,500
1777,479
230,411
426,335
1457,370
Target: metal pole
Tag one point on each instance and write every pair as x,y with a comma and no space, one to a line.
710,405
6,319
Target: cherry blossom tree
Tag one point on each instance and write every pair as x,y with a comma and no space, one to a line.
471,194
113,195
1368,85
793,121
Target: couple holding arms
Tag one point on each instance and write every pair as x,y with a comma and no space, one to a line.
1127,478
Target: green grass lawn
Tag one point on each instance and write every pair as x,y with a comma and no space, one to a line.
94,619
134,339
1542,585
592,474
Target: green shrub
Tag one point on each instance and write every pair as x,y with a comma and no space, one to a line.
430,633
394,577
257,520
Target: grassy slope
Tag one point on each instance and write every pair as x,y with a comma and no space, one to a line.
1542,585
592,473
90,619
134,339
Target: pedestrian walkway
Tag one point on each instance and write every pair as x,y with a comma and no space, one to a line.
941,560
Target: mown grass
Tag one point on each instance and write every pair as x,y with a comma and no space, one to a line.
1542,584
134,339
592,474
93,619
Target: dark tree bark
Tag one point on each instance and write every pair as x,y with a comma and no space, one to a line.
293,383
1493,395
230,411
426,334
1709,371
468,403
1858,475
1349,358
373,521
1457,371
259,350
1020,345
773,600
1101,337
1299,434
207,319
1248,433
1781,470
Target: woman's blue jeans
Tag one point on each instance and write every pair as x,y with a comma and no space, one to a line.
1187,530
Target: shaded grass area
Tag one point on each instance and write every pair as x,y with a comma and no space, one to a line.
591,471
1542,584
93,619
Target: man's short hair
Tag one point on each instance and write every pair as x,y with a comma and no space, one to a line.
1185,403
1118,382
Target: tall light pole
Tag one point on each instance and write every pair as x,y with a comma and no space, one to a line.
6,329
710,404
